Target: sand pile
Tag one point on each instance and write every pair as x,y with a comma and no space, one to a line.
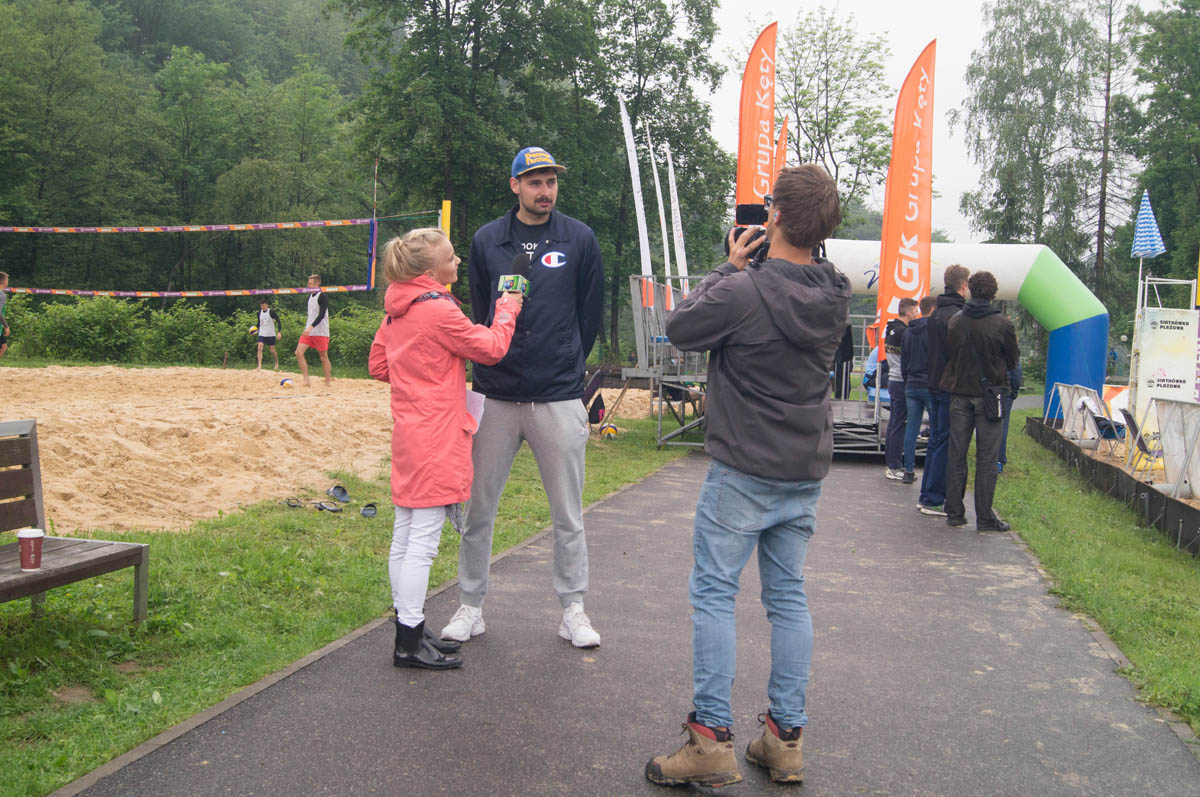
160,448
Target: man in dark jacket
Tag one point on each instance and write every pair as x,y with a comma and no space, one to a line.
933,480
893,337
534,394
914,360
981,348
772,331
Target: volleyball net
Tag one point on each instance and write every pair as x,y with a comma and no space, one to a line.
377,228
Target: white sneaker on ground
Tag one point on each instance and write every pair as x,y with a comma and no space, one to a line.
466,623
894,474
577,628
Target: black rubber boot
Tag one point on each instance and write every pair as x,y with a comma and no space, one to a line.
441,645
414,650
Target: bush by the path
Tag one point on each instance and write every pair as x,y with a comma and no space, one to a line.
109,330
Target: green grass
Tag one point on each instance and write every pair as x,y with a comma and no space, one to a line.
1143,592
231,600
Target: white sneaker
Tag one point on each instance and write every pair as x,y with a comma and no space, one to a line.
894,474
577,628
466,623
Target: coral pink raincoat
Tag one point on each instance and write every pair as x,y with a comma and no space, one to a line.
420,350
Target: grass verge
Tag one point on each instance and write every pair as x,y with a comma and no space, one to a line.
231,600
1143,592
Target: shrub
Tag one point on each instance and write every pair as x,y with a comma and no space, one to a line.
187,334
352,330
100,329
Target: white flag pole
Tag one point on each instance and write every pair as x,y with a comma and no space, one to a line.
662,216
638,206
681,267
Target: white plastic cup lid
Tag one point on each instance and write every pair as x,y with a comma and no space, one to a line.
27,533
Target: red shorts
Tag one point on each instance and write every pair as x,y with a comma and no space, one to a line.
318,342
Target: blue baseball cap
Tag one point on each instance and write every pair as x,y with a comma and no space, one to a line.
532,158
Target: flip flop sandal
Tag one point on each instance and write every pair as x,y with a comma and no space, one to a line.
292,503
368,510
339,492
328,506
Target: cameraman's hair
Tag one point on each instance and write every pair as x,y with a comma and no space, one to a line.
928,304
316,277
3,276
983,286
808,202
905,305
411,255
955,277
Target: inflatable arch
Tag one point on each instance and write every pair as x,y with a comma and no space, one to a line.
1028,273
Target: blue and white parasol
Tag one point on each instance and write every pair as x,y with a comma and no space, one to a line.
1147,242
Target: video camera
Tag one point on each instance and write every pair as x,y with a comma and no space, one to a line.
751,216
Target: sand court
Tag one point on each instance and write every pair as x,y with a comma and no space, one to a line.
159,448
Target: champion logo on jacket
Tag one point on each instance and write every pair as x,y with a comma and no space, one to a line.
554,260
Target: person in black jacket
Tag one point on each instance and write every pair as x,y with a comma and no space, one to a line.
893,337
981,348
914,360
772,330
933,480
534,394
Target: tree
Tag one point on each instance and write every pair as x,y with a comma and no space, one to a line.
832,85
1026,124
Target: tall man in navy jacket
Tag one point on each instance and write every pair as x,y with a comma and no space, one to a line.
535,393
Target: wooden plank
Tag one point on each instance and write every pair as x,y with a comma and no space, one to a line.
18,514
77,564
141,585
16,483
15,451
10,555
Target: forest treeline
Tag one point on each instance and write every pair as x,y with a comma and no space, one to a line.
156,112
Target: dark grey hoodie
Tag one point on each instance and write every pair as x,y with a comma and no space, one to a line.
772,332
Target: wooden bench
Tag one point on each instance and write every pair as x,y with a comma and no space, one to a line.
65,560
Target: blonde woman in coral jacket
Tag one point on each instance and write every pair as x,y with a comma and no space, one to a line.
420,350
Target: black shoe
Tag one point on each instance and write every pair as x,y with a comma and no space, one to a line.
439,644
909,477
414,650
995,525
956,522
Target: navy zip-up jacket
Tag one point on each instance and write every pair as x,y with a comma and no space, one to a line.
561,314
914,353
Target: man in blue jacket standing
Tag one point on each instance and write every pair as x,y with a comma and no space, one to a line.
534,394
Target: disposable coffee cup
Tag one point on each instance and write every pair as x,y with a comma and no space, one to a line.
30,542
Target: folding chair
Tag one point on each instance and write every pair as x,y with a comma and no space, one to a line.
1141,450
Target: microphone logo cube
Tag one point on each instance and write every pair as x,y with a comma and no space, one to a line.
514,283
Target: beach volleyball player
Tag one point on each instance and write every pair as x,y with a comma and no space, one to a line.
316,331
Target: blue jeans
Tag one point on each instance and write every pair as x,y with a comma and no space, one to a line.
933,480
737,511
919,402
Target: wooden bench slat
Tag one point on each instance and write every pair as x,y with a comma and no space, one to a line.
16,483
76,562
15,451
18,514
59,551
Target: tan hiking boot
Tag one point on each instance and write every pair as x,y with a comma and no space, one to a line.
779,751
707,759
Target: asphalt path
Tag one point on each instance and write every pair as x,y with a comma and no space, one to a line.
942,667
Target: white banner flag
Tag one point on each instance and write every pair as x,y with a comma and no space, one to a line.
638,206
681,267
662,216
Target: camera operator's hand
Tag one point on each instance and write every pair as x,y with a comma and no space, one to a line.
744,245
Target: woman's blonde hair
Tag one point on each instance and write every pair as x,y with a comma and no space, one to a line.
411,254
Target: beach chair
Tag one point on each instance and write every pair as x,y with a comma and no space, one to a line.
1144,454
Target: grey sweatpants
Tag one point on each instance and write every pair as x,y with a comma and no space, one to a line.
557,433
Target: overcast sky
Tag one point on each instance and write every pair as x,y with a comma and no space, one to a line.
958,27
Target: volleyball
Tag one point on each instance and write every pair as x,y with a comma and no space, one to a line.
608,432
286,383
253,330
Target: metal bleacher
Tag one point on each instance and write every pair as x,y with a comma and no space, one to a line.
678,379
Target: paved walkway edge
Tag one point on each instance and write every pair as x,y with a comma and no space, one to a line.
196,720
1181,729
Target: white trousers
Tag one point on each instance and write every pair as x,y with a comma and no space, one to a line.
415,538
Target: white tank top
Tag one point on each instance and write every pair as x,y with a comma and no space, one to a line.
321,329
266,324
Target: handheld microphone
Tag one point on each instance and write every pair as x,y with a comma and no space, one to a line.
518,280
